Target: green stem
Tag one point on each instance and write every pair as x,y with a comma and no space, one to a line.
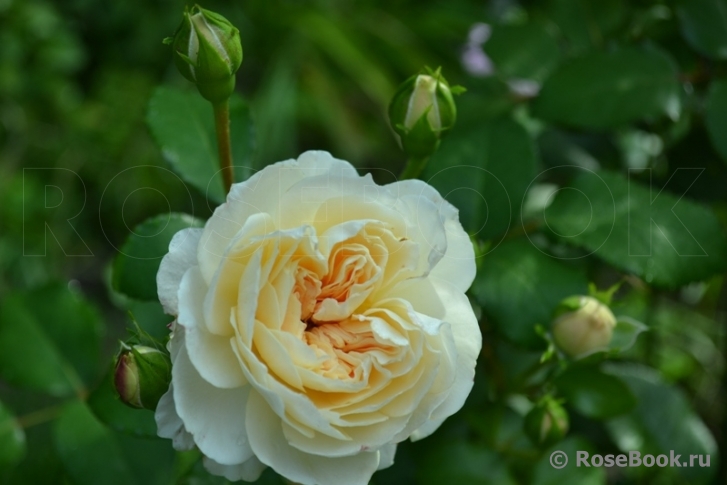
414,168
222,127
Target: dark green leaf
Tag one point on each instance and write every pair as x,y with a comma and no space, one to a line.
92,453
704,25
519,287
668,241
522,51
593,393
607,89
662,421
462,463
716,115
182,123
136,265
545,474
587,23
12,439
105,404
88,450
58,332
484,172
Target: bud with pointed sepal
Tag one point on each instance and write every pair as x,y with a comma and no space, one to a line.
142,375
207,52
422,111
547,422
582,325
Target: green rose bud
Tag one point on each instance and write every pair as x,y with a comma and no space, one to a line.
546,423
582,325
142,375
422,111
207,52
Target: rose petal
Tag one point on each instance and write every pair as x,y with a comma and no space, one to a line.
181,256
211,354
458,263
269,445
170,425
248,471
214,416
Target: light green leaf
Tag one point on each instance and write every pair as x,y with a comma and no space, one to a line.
601,90
593,393
519,287
463,463
182,123
484,172
716,115
105,404
92,453
704,26
135,267
662,421
12,439
667,240
49,341
545,474
526,51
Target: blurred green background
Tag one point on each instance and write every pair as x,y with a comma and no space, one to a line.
616,99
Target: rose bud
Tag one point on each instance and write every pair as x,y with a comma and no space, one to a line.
208,52
582,325
142,375
422,111
546,423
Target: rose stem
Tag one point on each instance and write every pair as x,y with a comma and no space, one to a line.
222,127
414,167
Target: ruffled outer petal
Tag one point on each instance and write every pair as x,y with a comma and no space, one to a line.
182,255
269,445
214,416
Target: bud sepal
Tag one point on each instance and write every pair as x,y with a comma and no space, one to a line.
547,422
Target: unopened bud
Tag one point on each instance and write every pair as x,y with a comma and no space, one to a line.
583,325
142,375
207,52
422,111
547,422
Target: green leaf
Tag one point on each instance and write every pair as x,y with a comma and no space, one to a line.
49,341
716,115
135,267
105,404
545,474
519,287
666,240
526,51
462,463
704,26
662,421
625,334
12,439
92,453
593,393
182,123
601,90
586,24
484,172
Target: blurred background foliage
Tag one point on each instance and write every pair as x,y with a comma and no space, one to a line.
625,101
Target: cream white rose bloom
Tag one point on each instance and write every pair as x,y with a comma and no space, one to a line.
320,320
